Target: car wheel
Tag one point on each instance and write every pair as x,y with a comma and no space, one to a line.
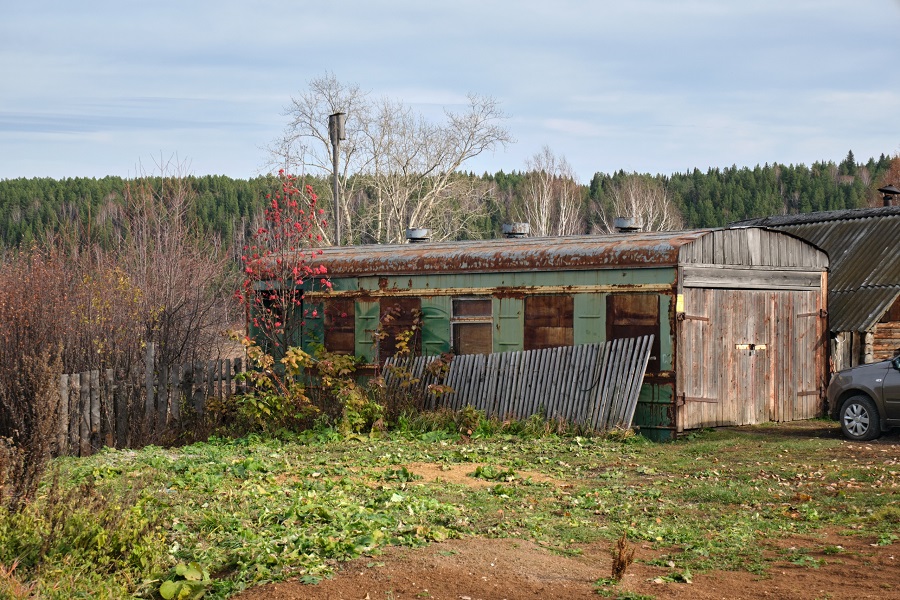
859,419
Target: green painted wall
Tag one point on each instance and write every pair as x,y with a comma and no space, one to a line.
656,275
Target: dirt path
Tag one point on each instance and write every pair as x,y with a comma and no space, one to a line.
491,569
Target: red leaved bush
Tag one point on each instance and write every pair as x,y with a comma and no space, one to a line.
277,265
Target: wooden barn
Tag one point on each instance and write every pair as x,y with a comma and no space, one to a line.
863,246
738,315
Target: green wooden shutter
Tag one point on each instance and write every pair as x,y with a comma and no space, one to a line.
509,324
435,325
590,318
367,315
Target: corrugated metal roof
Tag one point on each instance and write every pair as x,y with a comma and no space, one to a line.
859,310
644,249
863,246
817,217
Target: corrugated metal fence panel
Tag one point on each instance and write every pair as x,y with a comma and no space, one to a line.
594,385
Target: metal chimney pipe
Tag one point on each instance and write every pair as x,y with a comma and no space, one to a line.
625,225
889,192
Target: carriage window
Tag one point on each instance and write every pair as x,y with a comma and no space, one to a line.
398,317
340,333
549,322
634,315
472,326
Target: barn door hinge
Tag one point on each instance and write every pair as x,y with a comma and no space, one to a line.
821,313
681,399
686,317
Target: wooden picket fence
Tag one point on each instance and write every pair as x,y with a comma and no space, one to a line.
98,409
593,385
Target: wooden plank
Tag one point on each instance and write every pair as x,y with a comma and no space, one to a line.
641,362
210,381
198,386
84,403
570,371
108,423
120,400
228,379
175,393
720,277
95,409
74,413
62,430
162,396
149,365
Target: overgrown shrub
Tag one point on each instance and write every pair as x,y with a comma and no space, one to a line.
29,401
113,537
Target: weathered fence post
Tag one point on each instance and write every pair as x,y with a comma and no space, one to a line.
74,412
84,425
199,387
120,398
162,388
108,425
149,361
239,388
62,432
95,409
175,393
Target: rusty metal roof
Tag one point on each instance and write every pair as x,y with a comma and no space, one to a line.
643,249
863,246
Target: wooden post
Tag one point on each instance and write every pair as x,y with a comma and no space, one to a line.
210,381
62,437
149,361
175,394
84,425
163,397
227,382
120,396
199,386
74,412
240,387
108,425
95,410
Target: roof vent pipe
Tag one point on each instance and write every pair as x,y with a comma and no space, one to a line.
515,230
417,235
889,192
625,225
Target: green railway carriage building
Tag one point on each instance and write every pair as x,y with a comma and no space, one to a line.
738,315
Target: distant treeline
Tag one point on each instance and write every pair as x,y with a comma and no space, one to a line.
89,209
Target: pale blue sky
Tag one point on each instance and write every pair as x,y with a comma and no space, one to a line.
94,88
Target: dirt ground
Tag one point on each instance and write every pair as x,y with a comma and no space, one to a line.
498,569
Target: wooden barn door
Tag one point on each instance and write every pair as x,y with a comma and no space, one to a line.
697,385
725,358
805,400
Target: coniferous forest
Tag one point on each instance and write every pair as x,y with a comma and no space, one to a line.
91,210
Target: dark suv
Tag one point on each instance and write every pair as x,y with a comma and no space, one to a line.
866,399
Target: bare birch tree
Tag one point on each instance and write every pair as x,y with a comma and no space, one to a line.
552,205
401,167
642,199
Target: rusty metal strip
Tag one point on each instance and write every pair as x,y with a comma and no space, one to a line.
487,291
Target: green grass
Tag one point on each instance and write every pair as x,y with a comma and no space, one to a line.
258,509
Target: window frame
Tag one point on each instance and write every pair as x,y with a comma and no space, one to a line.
482,319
